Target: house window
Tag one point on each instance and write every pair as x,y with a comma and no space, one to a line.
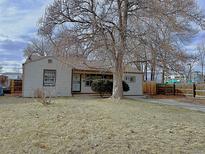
50,61
90,77
130,78
88,83
49,78
88,80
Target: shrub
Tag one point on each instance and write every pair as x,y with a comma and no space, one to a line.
40,95
125,86
104,86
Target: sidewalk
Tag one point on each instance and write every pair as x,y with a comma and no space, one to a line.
171,102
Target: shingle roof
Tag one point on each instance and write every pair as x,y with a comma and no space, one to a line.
86,65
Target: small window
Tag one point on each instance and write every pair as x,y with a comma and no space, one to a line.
88,80
130,78
49,78
88,83
50,61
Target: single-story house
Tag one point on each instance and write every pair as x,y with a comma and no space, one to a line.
50,74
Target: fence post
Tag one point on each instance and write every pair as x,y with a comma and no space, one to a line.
174,89
194,90
12,86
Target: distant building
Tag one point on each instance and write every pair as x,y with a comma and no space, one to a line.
3,80
175,78
197,77
13,75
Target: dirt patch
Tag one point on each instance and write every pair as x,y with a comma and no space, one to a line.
84,125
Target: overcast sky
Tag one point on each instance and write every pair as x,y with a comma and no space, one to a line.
18,25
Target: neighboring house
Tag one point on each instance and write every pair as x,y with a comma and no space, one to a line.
3,80
59,79
175,78
7,77
197,77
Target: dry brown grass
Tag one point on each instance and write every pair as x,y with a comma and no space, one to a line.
85,125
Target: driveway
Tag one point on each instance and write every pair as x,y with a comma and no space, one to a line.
171,102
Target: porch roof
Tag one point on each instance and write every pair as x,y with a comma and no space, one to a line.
96,66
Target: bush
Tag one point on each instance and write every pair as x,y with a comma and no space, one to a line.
104,86
125,86
40,95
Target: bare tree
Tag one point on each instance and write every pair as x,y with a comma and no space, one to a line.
201,57
105,27
188,66
38,46
43,96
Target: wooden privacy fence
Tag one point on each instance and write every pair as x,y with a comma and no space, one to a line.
200,90
165,89
149,88
16,87
194,90
184,89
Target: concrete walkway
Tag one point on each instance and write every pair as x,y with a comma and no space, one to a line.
171,102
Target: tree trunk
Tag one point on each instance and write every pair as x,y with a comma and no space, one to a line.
153,65
163,75
152,73
146,72
117,86
117,92
202,72
146,65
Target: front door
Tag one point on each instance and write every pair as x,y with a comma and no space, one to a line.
76,85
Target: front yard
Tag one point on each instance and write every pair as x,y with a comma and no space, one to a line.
88,125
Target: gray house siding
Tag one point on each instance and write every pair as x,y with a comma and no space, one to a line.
33,74
136,86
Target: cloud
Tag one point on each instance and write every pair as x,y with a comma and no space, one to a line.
12,45
12,65
20,17
18,26
191,46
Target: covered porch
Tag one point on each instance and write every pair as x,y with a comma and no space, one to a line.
82,80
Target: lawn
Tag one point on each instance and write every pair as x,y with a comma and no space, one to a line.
91,125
